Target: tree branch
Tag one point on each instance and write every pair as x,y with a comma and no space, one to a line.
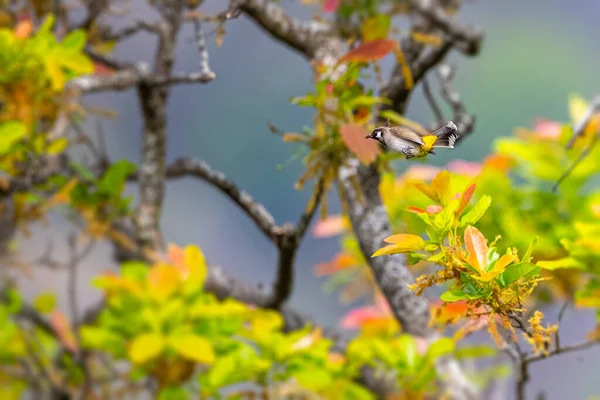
184,167
469,38
305,37
579,126
153,101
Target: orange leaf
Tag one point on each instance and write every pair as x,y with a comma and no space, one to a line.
415,210
61,326
23,29
370,51
354,137
477,248
339,262
499,162
465,198
163,279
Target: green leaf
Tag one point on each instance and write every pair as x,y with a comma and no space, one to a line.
76,62
451,296
45,303
193,347
10,133
516,271
313,379
113,180
134,270
413,258
567,262
47,25
475,352
146,347
376,27
527,256
439,348
173,393
14,301
408,351
75,40
477,211
83,172
444,219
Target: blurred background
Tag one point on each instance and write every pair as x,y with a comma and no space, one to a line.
535,54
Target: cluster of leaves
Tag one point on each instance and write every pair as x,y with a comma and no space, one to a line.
161,321
518,176
344,108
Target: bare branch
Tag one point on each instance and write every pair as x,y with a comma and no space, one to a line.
153,101
437,112
470,37
563,350
257,212
286,237
306,37
288,244
117,81
464,121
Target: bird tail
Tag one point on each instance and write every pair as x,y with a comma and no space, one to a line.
446,136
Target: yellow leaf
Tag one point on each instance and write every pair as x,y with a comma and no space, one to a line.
195,264
577,107
392,249
425,189
477,248
498,268
376,27
57,146
163,280
193,347
407,241
266,321
55,73
146,347
441,186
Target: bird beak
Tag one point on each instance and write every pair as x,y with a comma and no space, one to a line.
432,152
369,136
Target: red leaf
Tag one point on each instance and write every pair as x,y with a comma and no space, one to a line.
415,210
370,51
434,209
330,226
365,149
464,167
101,69
331,6
61,326
466,197
547,129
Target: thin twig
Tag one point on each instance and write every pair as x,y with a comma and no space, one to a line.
437,112
579,126
579,159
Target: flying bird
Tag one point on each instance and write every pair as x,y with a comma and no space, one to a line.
412,144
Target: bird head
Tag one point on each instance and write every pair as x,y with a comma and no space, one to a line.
377,134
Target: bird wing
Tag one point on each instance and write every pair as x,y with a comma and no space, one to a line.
406,134
399,144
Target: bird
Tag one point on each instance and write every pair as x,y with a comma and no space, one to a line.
412,144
